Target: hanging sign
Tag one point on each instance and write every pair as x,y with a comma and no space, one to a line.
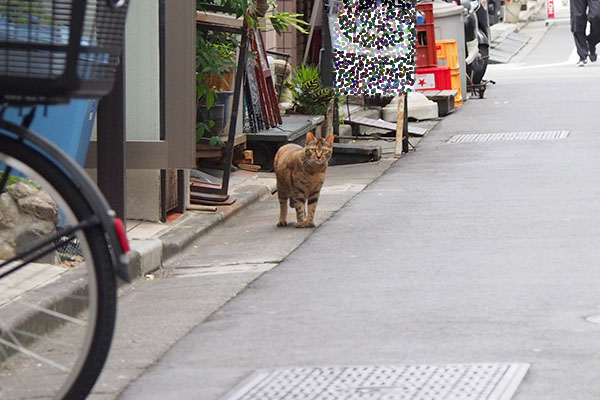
373,46
550,8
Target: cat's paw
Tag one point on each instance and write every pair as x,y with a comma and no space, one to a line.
281,223
305,224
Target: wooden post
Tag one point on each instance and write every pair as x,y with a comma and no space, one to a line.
327,124
400,127
313,22
111,143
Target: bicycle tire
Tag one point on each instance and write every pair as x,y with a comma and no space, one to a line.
95,339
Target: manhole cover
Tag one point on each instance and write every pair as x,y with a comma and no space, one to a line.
414,382
507,136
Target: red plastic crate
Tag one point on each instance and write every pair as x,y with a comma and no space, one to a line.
433,78
427,10
426,49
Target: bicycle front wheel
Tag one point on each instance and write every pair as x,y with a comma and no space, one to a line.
57,284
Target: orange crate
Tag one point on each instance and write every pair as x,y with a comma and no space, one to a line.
447,50
455,79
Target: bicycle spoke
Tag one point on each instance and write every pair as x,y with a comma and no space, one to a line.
33,355
18,344
42,248
38,337
56,314
6,356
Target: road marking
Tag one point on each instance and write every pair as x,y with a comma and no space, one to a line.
223,269
571,60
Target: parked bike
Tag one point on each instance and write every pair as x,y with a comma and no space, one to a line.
61,246
477,38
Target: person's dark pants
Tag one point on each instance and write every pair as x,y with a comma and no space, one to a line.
580,15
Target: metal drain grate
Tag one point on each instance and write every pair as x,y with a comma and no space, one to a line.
506,136
403,382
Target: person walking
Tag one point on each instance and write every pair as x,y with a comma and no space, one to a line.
583,11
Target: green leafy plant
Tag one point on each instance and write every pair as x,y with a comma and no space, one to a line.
282,21
215,57
308,94
254,10
12,179
215,51
216,141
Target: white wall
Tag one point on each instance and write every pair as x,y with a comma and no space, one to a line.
142,71
142,81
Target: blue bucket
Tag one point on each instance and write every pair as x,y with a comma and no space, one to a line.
67,126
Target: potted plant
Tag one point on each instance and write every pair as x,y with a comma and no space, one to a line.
308,94
215,65
216,61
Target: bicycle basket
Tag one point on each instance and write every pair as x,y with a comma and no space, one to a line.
53,50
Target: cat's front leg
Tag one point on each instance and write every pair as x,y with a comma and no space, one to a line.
313,199
282,210
298,203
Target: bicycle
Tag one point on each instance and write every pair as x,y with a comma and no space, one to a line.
61,247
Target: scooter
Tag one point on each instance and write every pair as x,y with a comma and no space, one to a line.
477,38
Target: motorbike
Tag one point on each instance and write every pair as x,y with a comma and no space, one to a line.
477,39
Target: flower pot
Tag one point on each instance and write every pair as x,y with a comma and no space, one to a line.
226,99
223,83
215,113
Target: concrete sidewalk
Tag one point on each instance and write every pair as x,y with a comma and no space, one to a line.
153,244
204,260
507,40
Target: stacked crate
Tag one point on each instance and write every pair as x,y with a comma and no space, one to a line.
426,52
447,50
428,76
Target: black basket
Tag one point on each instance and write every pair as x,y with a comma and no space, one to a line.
53,50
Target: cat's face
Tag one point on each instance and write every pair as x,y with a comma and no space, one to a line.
318,150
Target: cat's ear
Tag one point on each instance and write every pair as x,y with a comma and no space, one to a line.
329,139
310,137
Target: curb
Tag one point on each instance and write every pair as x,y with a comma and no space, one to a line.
148,255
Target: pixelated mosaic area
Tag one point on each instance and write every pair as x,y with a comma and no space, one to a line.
374,46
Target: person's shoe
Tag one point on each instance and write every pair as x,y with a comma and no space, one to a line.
593,54
581,62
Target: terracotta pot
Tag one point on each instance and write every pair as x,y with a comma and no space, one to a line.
222,84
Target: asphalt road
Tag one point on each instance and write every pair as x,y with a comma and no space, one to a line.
459,253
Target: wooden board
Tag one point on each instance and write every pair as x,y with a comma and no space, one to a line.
206,151
381,124
219,19
373,123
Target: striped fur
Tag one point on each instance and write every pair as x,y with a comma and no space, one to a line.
300,173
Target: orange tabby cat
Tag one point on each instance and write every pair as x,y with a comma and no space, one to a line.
300,173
